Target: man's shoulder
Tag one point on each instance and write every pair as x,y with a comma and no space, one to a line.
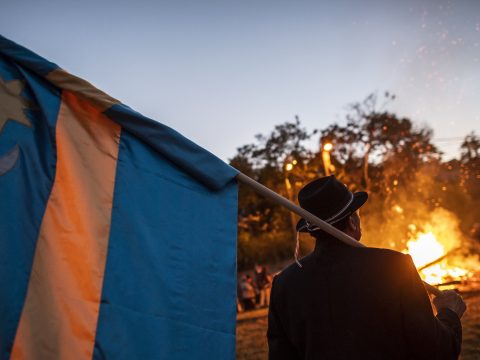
381,253
369,256
380,257
294,270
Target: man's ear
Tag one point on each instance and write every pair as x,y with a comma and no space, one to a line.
352,223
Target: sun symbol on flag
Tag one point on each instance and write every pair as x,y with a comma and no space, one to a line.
12,107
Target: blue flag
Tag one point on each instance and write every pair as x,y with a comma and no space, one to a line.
117,234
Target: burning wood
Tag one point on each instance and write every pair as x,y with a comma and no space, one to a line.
436,261
433,261
449,283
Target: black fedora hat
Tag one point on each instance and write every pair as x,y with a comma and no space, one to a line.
328,199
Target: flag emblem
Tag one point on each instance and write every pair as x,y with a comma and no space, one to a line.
12,107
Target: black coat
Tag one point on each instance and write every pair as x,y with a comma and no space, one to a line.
357,303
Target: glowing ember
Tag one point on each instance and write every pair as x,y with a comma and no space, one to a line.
397,209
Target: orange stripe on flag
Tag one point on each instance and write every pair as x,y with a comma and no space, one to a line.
60,313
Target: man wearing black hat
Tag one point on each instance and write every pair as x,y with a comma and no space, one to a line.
344,302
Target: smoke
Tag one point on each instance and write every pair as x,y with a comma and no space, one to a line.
414,211
445,226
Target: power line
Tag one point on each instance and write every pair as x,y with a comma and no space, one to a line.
450,139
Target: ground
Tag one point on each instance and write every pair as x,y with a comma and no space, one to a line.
252,327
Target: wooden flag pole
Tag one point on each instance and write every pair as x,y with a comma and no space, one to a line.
340,235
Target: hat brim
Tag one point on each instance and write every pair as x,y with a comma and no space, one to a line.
359,198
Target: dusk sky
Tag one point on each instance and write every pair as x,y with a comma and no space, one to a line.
220,72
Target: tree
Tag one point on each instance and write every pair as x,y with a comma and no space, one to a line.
278,161
385,155
470,165
376,150
470,178
470,148
378,147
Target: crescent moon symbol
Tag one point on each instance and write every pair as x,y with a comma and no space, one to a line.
8,161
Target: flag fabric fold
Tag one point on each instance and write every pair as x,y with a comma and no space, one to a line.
117,234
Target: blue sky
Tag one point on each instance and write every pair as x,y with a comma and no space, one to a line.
222,71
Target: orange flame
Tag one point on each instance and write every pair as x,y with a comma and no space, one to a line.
424,249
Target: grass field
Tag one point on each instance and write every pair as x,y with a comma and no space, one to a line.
252,327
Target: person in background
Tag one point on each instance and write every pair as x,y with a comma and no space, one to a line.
239,296
247,293
263,283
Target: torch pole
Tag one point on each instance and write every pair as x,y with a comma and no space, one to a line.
340,235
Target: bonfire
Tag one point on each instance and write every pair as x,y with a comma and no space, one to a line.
439,251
